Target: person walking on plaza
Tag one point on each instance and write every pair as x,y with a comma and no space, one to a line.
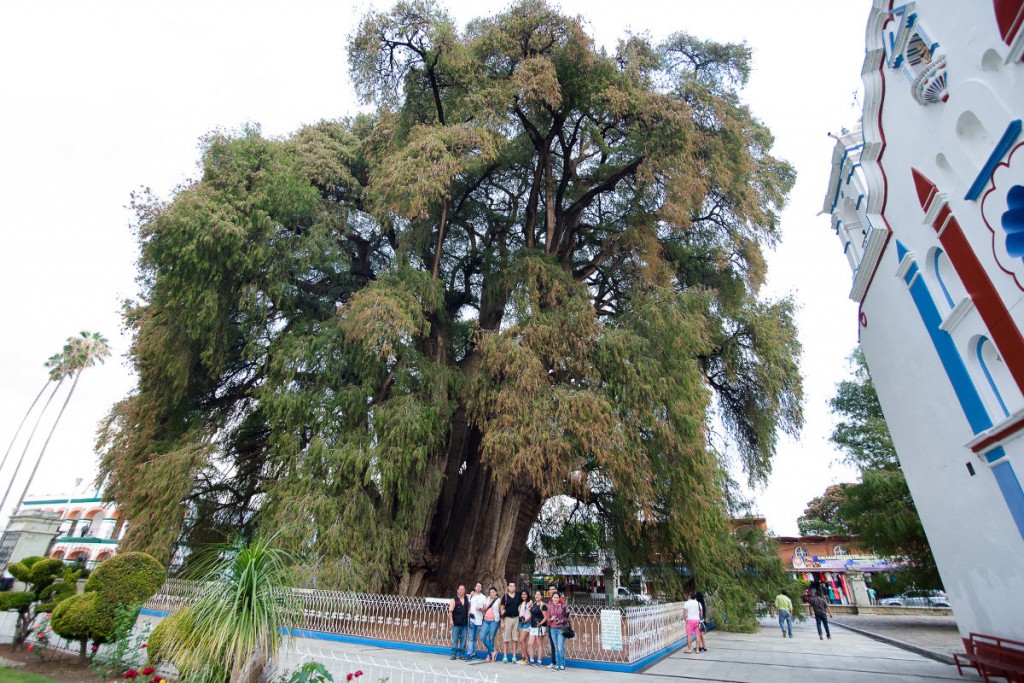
477,601
525,606
509,608
819,606
538,624
558,618
871,595
458,613
692,615
784,608
492,619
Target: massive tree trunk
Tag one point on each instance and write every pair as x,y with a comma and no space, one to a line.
477,529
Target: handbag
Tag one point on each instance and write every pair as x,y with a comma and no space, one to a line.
703,626
567,631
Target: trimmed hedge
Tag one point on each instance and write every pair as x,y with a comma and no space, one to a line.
132,578
124,580
16,601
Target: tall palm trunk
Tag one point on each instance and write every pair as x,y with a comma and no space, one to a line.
46,443
22,424
24,451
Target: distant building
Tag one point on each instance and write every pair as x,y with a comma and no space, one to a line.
89,529
831,563
926,197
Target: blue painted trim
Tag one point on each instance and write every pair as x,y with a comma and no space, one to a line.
938,276
994,454
839,182
63,501
442,650
860,198
846,247
988,376
1002,147
960,379
1012,493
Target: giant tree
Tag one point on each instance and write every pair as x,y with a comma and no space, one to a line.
532,270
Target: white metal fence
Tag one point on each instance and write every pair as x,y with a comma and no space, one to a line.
603,634
375,669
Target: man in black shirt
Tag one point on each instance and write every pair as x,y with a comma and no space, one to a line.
458,615
510,602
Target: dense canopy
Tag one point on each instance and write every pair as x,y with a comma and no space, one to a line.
532,271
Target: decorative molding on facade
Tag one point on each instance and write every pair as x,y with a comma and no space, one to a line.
930,85
956,316
874,245
907,262
997,435
1010,20
1001,149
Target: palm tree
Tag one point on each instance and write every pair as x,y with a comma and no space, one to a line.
59,371
81,352
234,630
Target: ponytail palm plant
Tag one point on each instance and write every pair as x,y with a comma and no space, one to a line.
234,631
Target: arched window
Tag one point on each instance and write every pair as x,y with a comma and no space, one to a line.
840,551
800,551
993,368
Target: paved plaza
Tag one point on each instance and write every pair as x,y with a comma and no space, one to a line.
732,658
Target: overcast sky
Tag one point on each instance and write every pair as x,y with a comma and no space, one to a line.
100,98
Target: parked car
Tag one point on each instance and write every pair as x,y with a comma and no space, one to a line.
624,593
918,598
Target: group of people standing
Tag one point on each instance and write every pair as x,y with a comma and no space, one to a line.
521,619
816,604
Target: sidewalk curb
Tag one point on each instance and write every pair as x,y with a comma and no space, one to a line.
916,649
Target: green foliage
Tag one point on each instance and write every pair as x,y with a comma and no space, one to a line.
125,651
130,577
862,433
55,592
879,509
40,574
310,672
235,626
119,584
16,600
533,270
821,517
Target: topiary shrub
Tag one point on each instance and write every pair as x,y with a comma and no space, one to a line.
125,580
41,575
132,577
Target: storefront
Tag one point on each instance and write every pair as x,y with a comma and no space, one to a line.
826,562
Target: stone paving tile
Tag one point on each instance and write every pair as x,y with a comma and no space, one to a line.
731,658
938,634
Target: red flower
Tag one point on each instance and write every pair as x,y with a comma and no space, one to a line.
41,636
358,674
94,648
131,673
347,678
147,671
31,646
143,645
157,679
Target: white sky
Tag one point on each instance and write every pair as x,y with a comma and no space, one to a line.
100,98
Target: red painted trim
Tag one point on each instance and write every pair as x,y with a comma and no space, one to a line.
1008,430
1005,333
885,183
1009,158
1009,17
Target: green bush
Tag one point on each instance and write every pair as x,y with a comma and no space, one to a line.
132,577
16,601
177,625
126,580
54,593
40,574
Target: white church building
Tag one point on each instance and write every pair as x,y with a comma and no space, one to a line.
927,200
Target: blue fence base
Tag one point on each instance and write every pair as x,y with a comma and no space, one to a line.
619,667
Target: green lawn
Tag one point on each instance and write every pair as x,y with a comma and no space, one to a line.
15,676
